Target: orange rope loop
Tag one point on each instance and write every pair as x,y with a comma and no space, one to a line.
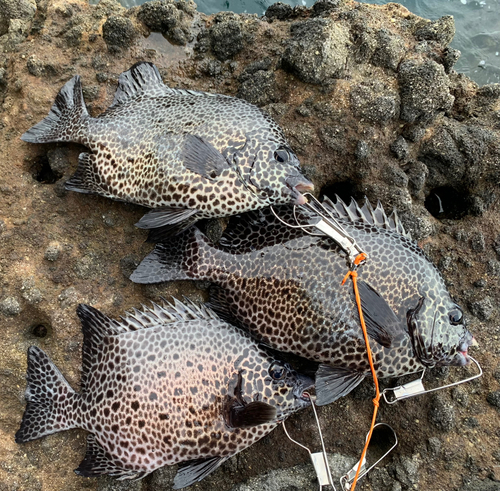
354,275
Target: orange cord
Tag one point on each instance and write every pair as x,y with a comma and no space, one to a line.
354,275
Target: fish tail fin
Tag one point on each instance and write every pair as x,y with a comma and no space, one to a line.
65,117
49,399
181,258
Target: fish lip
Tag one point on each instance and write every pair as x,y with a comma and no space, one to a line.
297,186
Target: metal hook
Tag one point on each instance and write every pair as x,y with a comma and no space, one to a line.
319,459
347,479
327,225
416,387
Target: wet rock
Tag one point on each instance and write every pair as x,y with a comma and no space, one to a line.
226,36
15,9
450,57
279,11
52,252
424,90
442,413
373,103
10,306
317,51
390,50
118,33
169,17
260,88
400,148
441,30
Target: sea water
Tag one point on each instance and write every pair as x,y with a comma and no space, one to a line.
477,26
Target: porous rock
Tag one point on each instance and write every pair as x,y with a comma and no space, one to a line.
15,9
118,33
317,51
226,36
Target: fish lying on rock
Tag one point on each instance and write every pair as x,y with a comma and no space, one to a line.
284,286
186,154
172,384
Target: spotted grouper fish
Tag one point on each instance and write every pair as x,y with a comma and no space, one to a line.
284,286
173,384
186,154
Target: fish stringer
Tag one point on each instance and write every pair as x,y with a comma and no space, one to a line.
319,459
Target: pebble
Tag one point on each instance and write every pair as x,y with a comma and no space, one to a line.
52,252
10,306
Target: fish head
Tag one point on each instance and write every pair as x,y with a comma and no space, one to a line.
276,175
285,388
438,332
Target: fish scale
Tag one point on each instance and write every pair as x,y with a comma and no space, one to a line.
284,286
171,384
186,154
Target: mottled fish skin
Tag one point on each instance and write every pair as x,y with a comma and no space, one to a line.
285,287
190,154
171,384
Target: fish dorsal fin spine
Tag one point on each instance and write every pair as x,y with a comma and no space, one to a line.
366,214
141,77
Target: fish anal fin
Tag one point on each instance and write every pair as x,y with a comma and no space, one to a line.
332,383
381,322
141,77
83,180
193,471
237,415
201,157
98,462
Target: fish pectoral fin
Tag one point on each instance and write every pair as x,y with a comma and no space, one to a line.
237,415
98,463
202,157
332,383
166,222
381,321
193,471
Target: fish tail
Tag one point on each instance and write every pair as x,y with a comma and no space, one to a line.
181,258
49,399
64,122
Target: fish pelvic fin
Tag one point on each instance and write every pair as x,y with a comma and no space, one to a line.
165,222
48,398
192,471
332,383
179,259
65,119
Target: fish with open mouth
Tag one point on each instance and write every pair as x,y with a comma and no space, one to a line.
173,384
284,286
186,154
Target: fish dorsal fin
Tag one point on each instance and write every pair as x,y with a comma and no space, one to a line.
141,77
166,314
193,471
366,214
98,463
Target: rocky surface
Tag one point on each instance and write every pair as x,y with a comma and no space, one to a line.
369,100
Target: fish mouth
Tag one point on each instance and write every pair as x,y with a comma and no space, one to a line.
298,185
302,391
462,358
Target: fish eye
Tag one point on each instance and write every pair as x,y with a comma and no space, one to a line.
456,316
277,371
282,155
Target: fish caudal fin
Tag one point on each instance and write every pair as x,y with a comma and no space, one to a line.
165,222
179,259
65,117
332,383
48,396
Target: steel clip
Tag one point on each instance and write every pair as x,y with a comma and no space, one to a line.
348,478
416,387
319,459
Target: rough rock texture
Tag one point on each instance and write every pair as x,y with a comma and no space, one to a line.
369,101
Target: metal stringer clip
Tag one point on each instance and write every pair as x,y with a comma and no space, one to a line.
347,479
416,387
327,225
319,459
